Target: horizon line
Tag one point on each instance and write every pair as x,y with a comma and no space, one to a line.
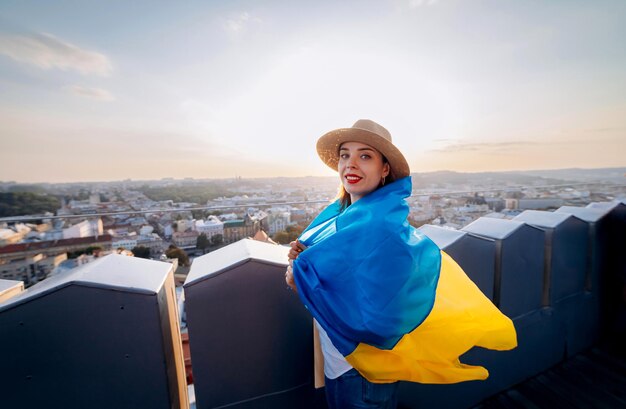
166,178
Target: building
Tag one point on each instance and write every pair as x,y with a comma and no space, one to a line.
146,230
151,241
539,204
30,269
299,216
86,228
235,230
183,225
94,198
16,233
259,217
186,239
495,203
168,230
262,236
534,204
54,247
210,227
9,236
278,221
124,242
472,208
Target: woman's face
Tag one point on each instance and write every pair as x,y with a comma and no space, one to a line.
361,169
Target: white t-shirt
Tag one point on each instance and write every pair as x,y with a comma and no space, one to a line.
335,364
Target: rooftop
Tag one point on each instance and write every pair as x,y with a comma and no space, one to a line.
107,334
595,378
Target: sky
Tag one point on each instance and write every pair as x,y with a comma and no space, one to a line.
111,90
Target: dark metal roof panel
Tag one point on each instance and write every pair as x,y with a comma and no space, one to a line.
441,236
234,254
114,271
494,228
542,218
587,214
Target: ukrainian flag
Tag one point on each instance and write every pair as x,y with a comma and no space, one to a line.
394,304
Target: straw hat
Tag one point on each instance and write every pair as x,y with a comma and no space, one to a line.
369,133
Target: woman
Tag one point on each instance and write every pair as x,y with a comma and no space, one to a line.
388,304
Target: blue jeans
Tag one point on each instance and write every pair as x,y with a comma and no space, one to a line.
352,391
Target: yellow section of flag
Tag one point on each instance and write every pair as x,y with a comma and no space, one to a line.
462,317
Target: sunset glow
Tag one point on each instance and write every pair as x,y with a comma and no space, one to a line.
106,91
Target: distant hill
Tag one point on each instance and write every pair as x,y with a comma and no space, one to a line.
612,175
556,176
548,177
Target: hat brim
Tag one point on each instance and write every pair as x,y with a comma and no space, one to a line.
328,148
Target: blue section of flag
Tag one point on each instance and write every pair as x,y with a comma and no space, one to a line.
373,279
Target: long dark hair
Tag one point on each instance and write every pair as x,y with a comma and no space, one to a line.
344,197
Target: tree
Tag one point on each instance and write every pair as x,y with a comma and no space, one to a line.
175,252
198,214
93,249
203,242
141,252
27,188
290,233
23,203
199,192
281,237
217,239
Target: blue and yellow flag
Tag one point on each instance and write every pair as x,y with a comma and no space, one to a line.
394,304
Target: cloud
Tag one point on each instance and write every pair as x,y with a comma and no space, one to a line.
240,23
488,147
516,146
87,92
48,52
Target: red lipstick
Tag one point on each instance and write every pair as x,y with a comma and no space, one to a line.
352,178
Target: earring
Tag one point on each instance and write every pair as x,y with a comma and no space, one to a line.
383,181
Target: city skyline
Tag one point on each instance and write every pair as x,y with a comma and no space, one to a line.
113,91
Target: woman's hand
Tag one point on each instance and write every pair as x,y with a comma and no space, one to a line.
294,252
289,277
296,249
